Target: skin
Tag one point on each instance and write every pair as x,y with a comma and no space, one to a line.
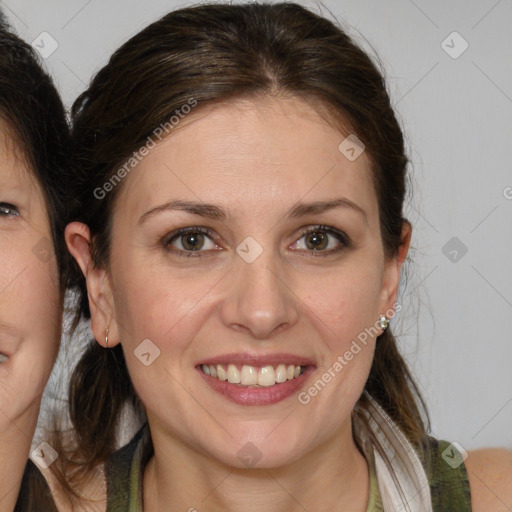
257,159
490,479
30,311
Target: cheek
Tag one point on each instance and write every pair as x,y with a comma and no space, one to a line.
163,316
346,301
345,313
41,290
31,300
150,304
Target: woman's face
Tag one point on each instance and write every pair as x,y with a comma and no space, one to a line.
246,286
30,297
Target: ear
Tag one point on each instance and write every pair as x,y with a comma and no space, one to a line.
99,292
392,269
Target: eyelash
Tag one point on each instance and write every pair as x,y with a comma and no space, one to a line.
168,239
8,210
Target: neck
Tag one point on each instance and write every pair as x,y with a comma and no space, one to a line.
334,476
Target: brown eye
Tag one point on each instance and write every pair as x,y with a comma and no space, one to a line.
187,241
316,240
323,239
192,241
8,210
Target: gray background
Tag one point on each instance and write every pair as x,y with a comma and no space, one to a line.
457,114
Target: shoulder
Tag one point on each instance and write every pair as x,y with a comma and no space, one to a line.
490,479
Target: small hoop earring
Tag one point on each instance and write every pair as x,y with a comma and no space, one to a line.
384,322
106,337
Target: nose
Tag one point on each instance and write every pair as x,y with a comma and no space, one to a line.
259,298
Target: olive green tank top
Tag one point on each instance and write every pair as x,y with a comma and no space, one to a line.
125,468
449,486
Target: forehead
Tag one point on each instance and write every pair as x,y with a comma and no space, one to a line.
258,154
14,169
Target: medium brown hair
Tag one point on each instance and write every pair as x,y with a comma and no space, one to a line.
36,119
214,53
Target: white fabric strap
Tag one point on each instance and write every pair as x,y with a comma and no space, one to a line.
410,475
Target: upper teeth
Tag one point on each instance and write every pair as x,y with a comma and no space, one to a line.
253,375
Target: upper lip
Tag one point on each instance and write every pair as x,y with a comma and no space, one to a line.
258,360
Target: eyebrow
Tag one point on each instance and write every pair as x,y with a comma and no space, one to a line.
215,212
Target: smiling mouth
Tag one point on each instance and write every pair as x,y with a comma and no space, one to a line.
253,376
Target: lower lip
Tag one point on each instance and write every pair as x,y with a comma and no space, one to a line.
244,395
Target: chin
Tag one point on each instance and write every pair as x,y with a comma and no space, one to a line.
263,452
